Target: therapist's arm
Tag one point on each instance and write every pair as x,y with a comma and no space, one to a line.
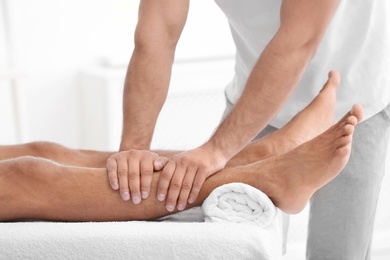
276,73
271,82
160,23
158,30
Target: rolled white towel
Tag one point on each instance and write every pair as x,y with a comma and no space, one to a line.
240,203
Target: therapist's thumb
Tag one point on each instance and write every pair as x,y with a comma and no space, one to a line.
160,163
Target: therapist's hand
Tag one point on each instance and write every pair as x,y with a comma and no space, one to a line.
131,172
184,174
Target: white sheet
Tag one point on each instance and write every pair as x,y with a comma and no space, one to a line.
136,240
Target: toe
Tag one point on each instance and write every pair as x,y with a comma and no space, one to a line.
348,129
357,111
334,78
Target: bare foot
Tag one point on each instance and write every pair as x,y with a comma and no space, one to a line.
302,171
316,118
313,120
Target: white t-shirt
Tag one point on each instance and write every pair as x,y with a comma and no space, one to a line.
356,44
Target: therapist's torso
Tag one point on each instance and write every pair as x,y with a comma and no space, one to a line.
356,44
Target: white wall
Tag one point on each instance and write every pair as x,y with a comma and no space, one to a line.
55,40
52,41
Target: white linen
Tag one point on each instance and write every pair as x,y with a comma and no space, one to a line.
136,240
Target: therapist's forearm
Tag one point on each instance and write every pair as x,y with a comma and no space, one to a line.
146,88
159,27
273,79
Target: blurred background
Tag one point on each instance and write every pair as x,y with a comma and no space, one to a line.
62,67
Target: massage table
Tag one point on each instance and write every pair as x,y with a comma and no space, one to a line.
217,230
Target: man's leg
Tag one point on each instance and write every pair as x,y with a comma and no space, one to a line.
33,188
57,153
342,213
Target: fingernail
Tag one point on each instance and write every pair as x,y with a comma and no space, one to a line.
115,186
136,199
145,194
180,207
161,197
191,200
170,208
158,165
125,195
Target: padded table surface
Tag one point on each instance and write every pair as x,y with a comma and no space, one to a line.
138,240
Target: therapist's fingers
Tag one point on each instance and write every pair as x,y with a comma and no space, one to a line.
112,170
146,167
197,185
134,180
175,187
186,188
123,178
165,180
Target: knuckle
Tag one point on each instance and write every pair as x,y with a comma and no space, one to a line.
186,160
202,165
166,174
132,152
149,155
133,175
120,155
122,172
176,185
186,186
147,172
191,164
